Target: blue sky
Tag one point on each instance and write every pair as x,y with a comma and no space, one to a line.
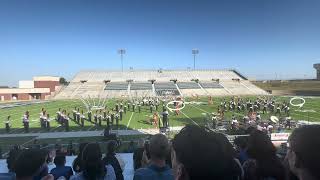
260,38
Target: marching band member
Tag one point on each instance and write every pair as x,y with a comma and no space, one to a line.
139,107
214,120
121,114
117,107
41,118
89,115
47,122
66,121
278,110
74,113
133,106
128,105
125,109
165,118
58,118
25,121
99,118
117,120
44,120
151,108
82,118
95,117
7,124
112,118
108,120
78,116
104,114
155,119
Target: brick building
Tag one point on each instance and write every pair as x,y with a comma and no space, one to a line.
41,87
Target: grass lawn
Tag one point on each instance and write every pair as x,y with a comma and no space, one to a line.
191,114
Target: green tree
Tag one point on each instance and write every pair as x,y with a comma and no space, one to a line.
63,81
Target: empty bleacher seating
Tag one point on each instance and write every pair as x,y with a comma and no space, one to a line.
165,86
117,86
210,85
188,85
141,86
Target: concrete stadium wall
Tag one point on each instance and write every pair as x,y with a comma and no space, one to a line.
295,93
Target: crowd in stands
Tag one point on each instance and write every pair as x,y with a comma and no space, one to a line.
195,153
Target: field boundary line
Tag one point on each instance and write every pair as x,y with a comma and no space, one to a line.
129,120
189,118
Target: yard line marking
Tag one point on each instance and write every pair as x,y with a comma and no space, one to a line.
189,118
129,120
55,128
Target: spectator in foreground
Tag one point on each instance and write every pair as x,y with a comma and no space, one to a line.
112,160
198,154
304,152
157,169
61,170
11,158
92,165
137,155
77,165
241,147
263,162
31,164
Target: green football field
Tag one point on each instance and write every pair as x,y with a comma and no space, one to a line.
193,113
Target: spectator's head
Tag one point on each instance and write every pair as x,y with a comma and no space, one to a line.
30,163
199,154
260,146
261,149
112,146
81,147
60,160
13,154
159,147
304,151
92,164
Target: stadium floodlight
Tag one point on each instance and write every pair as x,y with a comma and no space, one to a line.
194,52
121,52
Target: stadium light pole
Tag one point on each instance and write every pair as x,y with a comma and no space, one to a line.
194,52
121,52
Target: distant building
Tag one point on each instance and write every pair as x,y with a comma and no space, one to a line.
41,87
317,67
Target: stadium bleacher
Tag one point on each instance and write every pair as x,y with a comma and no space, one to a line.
116,86
188,85
140,86
165,86
208,85
137,83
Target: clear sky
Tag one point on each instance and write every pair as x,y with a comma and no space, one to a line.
260,38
